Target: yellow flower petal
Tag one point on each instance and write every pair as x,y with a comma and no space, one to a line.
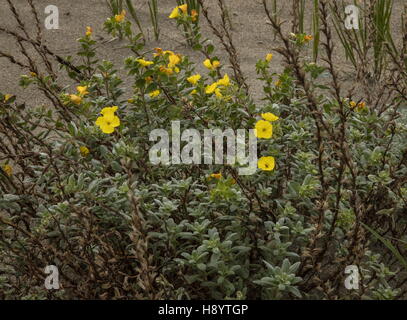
194,79
120,17
84,151
269,116
154,93
184,8
108,110
216,175
215,64
75,99
106,128
218,93
225,81
89,31
82,90
174,13
211,88
269,56
144,63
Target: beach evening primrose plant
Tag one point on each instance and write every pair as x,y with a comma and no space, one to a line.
116,221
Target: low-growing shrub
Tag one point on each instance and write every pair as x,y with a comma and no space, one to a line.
78,191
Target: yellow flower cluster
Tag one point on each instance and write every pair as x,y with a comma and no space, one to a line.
144,63
183,10
359,107
211,65
194,79
217,86
108,121
173,60
264,130
77,98
154,93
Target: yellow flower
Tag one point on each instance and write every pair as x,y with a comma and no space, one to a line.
361,106
167,71
308,38
269,116
33,74
174,13
218,93
158,52
84,151
352,104
89,31
211,65
184,8
144,63
168,52
278,83
8,169
154,93
211,88
194,79
216,175
263,129
266,163
174,59
75,99
194,91
82,90
108,121
269,56
225,81
7,97
120,17
215,64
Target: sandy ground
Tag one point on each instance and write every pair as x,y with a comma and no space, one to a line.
252,36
